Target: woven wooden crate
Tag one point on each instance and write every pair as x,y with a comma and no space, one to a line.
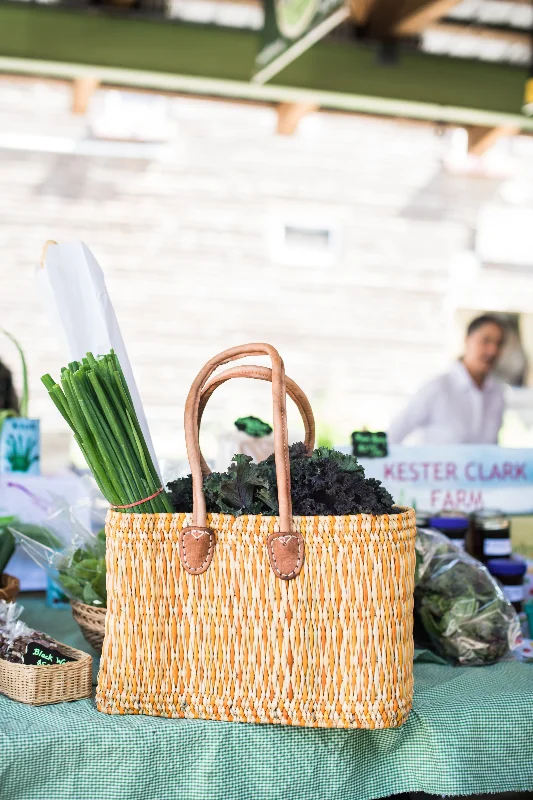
52,683
91,621
9,587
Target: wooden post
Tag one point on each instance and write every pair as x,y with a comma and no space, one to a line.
481,139
82,91
290,114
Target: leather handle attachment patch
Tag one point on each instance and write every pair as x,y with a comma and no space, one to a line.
286,554
197,546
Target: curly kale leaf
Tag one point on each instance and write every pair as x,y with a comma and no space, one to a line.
342,461
240,490
180,494
324,483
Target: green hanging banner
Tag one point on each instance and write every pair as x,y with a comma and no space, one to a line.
291,27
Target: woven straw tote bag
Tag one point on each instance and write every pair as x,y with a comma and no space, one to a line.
289,620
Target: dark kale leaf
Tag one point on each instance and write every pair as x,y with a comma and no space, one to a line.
239,490
180,494
325,483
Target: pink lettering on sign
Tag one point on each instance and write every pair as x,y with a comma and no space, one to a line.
461,497
476,500
469,471
388,472
451,471
435,495
414,471
520,471
456,500
506,471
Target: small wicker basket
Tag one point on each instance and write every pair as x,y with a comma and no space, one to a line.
9,587
53,683
91,621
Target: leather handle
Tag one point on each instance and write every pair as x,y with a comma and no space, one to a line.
286,548
263,374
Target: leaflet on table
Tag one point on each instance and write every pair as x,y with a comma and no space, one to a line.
463,477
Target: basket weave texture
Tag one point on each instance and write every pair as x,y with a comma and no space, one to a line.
54,683
9,587
274,619
91,621
332,648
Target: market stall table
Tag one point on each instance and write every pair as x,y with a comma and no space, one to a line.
470,731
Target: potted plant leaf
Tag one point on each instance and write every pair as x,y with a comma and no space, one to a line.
9,586
19,435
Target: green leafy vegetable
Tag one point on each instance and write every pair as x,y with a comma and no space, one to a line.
326,482
38,534
83,574
95,401
459,610
240,490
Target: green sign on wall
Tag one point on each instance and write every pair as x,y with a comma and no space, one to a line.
291,27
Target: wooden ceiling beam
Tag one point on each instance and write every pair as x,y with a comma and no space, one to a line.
290,114
421,14
211,61
361,9
481,139
390,18
482,32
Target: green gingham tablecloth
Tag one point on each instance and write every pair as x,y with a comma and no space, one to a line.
470,731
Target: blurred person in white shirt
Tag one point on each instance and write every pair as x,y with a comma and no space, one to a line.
464,405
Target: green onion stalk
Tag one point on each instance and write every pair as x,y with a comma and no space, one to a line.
94,399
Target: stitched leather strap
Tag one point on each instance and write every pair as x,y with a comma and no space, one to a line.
262,374
281,445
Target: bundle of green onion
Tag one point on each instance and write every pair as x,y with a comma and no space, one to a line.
95,401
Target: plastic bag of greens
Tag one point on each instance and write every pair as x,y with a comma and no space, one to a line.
68,551
460,610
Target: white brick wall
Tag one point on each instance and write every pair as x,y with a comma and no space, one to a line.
184,243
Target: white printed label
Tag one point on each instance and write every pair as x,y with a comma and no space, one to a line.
497,547
458,543
515,594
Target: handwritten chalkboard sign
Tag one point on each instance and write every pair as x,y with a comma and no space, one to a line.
370,444
39,654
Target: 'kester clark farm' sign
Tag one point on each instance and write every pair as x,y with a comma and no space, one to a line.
465,477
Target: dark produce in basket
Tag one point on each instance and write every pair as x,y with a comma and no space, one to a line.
326,482
15,635
16,648
460,611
